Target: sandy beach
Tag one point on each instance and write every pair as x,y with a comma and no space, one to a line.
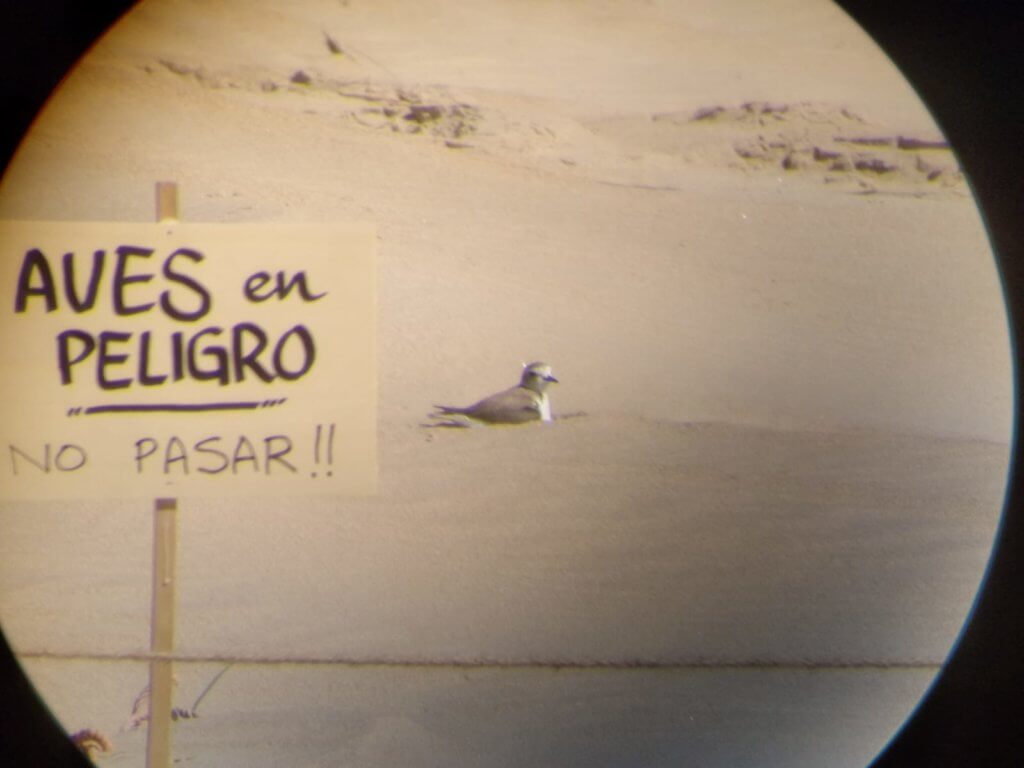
759,518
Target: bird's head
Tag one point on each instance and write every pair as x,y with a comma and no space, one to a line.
537,376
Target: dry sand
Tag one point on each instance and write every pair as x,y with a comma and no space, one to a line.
783,420
304,716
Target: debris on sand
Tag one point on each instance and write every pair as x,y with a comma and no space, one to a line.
906,142
92,742
332,45
824,142
405,111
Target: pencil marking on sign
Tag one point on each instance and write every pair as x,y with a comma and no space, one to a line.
317,438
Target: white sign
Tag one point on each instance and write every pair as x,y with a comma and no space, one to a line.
179,359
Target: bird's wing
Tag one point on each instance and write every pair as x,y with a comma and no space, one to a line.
513,406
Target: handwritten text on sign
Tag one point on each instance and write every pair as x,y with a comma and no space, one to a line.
178,359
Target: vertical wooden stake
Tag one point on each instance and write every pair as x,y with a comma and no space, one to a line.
166,201
161,672
165,555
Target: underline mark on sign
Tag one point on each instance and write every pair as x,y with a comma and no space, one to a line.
248,405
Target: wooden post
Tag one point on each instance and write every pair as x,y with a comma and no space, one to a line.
166,201
161,671
165,555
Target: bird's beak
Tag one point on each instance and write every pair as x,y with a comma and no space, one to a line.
551,378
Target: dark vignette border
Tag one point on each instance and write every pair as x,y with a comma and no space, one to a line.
40,41
966,60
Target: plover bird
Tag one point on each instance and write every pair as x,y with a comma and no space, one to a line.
517,405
